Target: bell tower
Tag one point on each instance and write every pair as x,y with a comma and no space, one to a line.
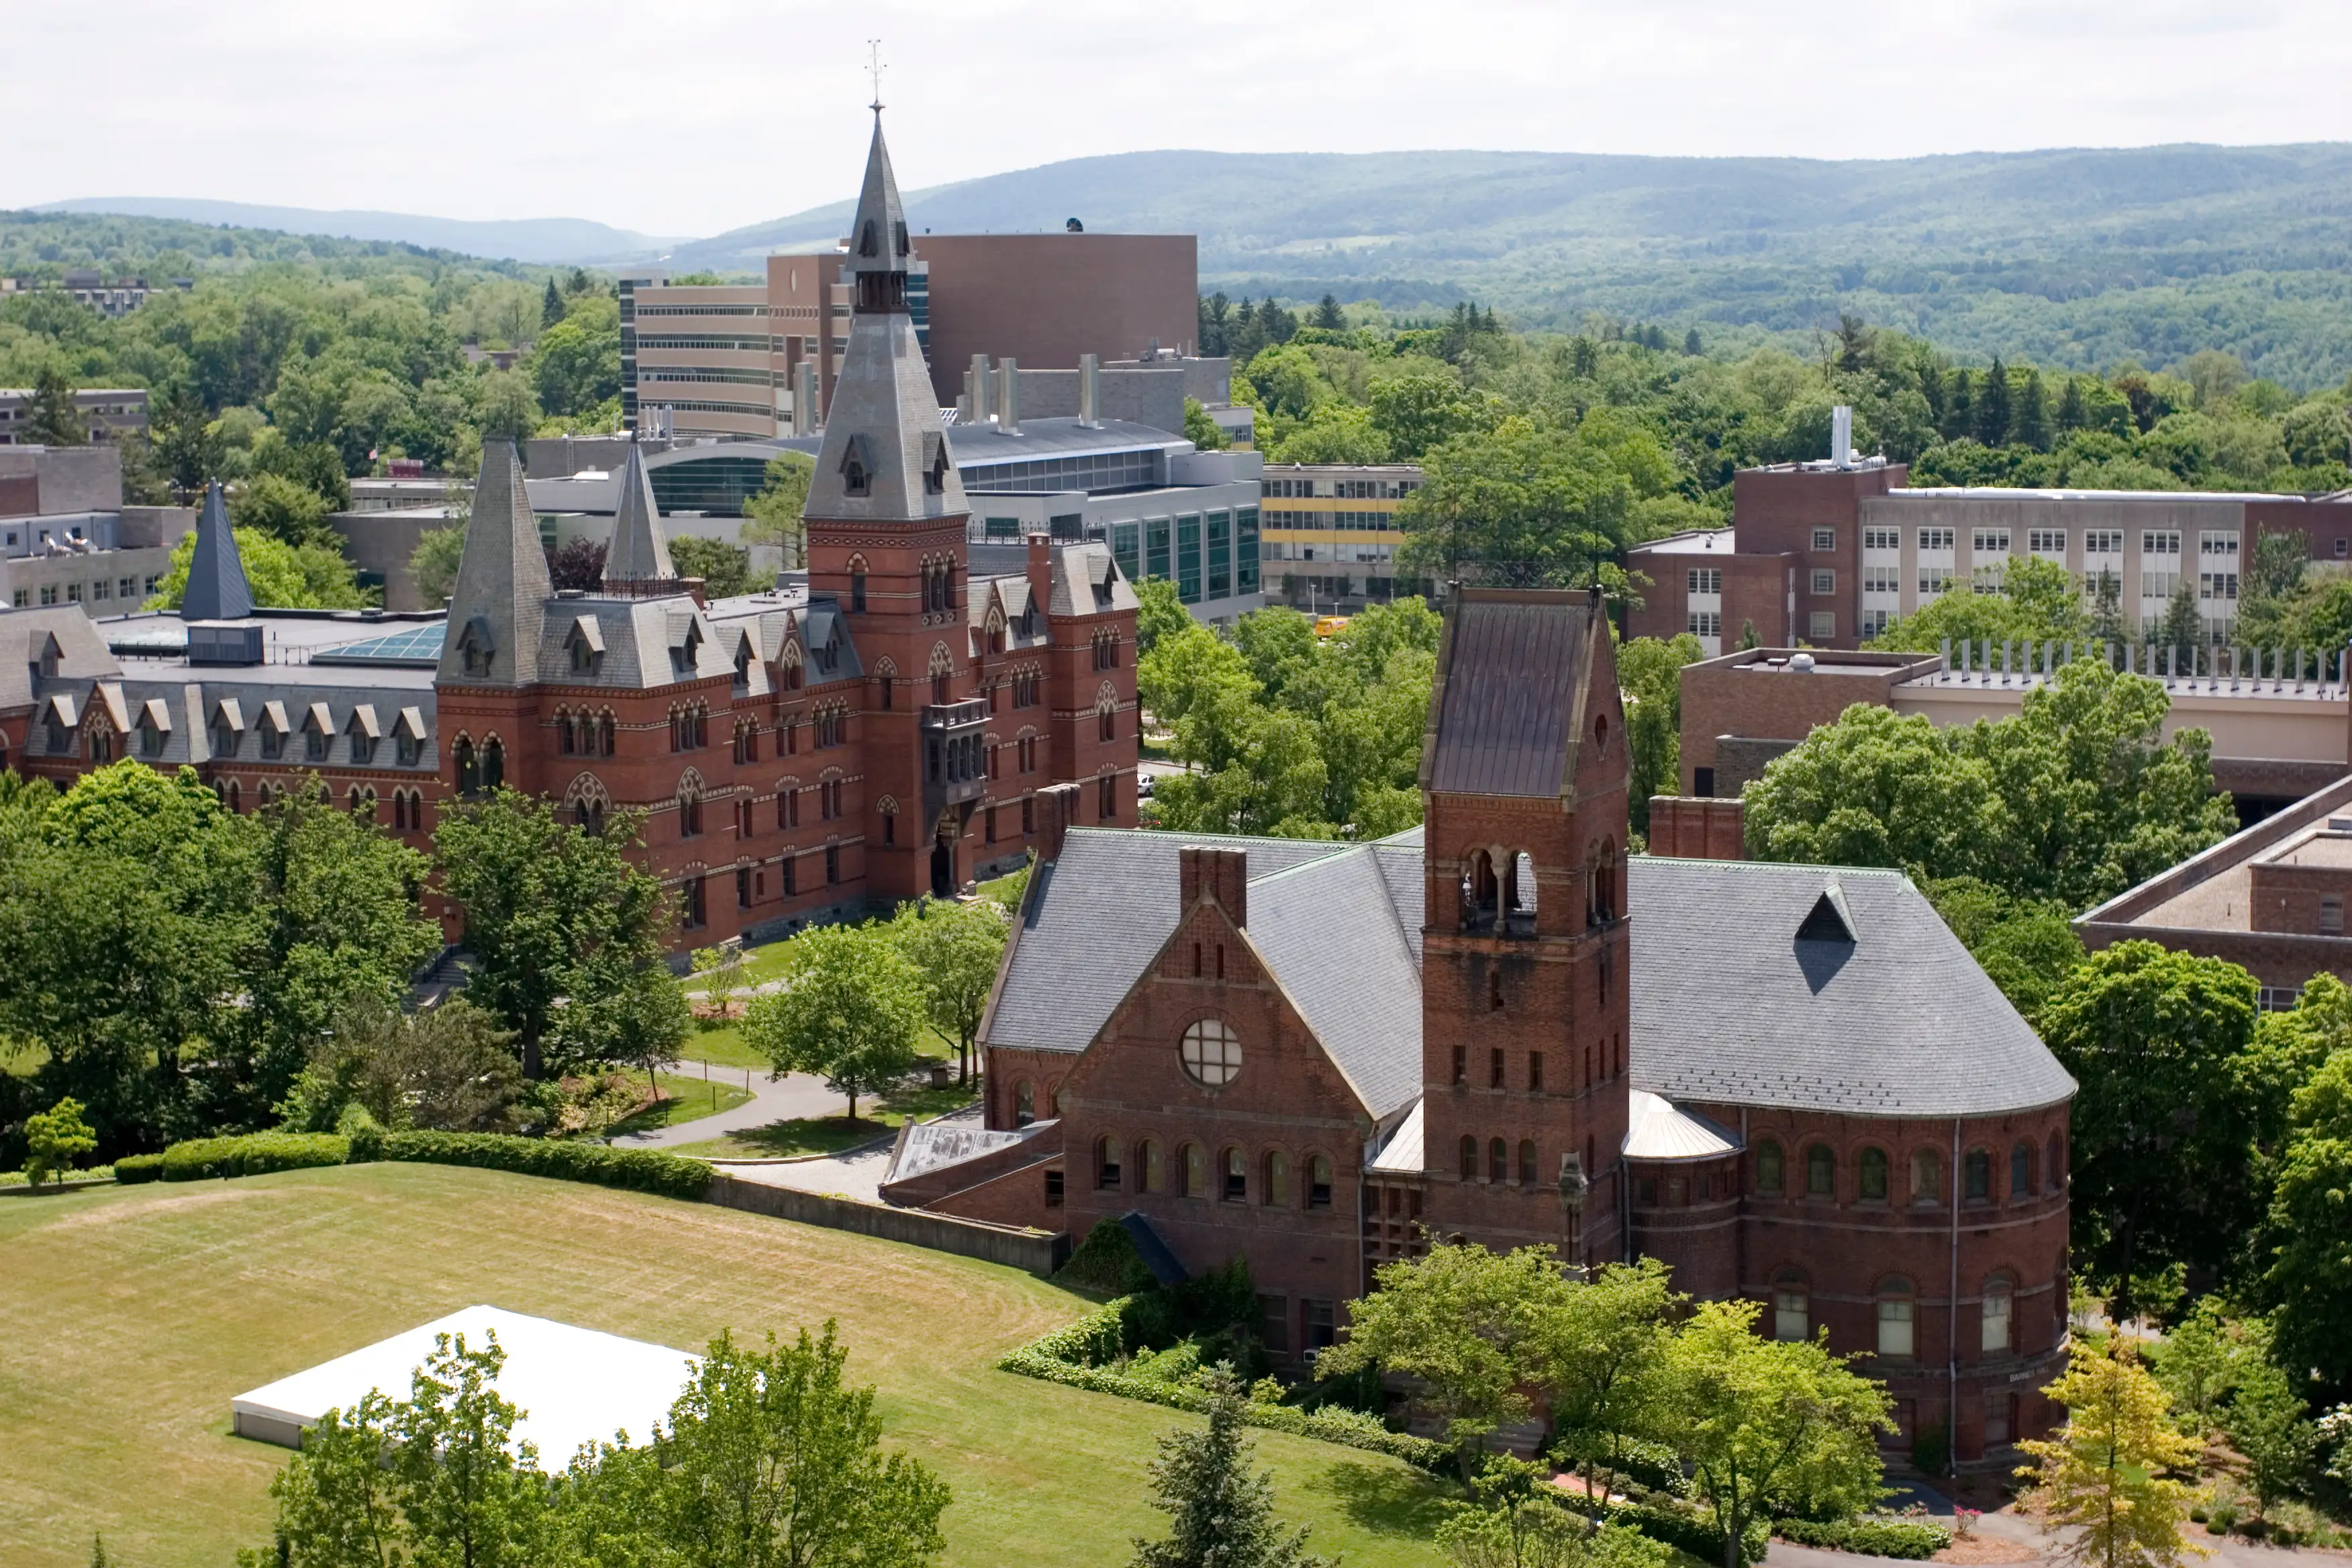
1523,775
885,516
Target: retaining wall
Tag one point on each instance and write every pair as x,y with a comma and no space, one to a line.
1037,1251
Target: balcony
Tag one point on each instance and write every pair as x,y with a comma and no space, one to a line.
955,766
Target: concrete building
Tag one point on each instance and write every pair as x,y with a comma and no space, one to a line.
111,297
66,537
1827,554
1790,1082
2277,735
107,413
1331,533
1045,299
380,541
2270,898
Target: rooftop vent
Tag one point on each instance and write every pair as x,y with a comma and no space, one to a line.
2339,824
1829,920
1801,663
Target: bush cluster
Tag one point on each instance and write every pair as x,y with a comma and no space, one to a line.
1914,1539
638,1170
135,1168
1651,1465
1681,1527
252,1155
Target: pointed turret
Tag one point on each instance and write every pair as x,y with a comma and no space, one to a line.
637,561
217,589
500,603
886,456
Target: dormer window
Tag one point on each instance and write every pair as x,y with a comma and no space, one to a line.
901,227
854,479
474,649
935,472
868,240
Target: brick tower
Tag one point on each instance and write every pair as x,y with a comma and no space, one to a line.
1524,971
886,539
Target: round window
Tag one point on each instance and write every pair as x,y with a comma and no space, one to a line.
1212,1052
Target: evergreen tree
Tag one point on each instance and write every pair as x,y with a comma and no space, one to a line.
1328,314
98,1557
2182,626
579,282
1220,1512
2107,610
1690,341
2029,424
551,310
1992,407
1959,419
1216,317
2073,415
184,439
51,417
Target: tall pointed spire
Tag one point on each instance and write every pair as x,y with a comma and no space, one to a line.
886,455
217,589
637,561
497,610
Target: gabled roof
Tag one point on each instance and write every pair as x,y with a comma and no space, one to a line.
217,589
1730,1003
502,582
1511,671
1087,581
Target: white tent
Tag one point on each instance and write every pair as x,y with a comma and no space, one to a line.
573,1386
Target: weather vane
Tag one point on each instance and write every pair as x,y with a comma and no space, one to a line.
874,69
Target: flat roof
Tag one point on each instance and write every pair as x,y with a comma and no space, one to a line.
573,1386
1999,492
1822,666
2320,847
1690,541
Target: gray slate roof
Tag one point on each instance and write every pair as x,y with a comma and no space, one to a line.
1510,672
639,551
1730,1006
217,590
501,577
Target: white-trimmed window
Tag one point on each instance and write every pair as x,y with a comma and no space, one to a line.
1212,1052
1706,623
2048,541
1791,1307
1706,580
1895,1318
2102,542
1934,580
1998,1300
1825,539
1824,579
1935,539
1882,579
2160,542
1882,539
1874,623
1990,542
1822,625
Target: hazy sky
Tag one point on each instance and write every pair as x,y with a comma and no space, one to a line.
737,112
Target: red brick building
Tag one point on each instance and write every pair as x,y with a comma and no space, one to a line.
881,726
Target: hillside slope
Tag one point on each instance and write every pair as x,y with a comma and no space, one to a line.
541,240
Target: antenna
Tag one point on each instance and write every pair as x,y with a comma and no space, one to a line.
874,69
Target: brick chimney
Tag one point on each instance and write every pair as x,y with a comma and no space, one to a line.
1058,807
1221,873
1041,572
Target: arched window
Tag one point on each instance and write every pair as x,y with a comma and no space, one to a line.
689,807
605,736
1275,1192
1053,1098
1977,1171
1894,1324
1194,1173
1149,1177
469,772
2055,1168
1319,1182
2020,1170
1024,1103
1792,1305
1212,1052
857,584
1999,1298
1107,1161
1527,1162
1498,1160
1771,1176
1469,1158
494,762
564,732
1821,1172
1236,1168
1869,1175
1927,1176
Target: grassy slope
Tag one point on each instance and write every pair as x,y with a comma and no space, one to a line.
136,1314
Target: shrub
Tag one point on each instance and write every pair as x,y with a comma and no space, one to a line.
362,1131
133,1168
1908,1538
1651,1465
253,1154
638,1170
1675,1525
87,1174
1106,1261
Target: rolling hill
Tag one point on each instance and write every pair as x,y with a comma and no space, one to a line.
541,240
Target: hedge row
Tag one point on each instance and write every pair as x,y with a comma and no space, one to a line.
1687,1529
1350,1428
638,1170
1911,1538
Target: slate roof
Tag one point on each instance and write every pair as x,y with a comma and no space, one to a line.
1730,1006
502,578
217,589
1331,931
639,551
1510,679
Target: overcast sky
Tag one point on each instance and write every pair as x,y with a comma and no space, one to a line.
736,110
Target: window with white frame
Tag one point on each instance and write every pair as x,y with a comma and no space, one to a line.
1881,539
1824,579
2212,543
1706,580
1822,625
2050,542
1935,539
2159,585
1990,542
2160,542
1934,580
2217,585
2102,542
1874,623
1706,623
1882,579
1825,539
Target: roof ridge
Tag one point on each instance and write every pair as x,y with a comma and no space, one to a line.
1895,871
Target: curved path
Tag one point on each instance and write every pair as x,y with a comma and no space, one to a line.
789,1099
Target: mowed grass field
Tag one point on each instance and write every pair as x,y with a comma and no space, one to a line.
129,1318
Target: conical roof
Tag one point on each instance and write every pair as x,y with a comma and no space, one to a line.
639,553
497,610
877,234
217,589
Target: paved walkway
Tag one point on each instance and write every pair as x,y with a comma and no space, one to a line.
791,1099
852,1173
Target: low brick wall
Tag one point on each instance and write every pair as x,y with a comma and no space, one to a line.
1037,1251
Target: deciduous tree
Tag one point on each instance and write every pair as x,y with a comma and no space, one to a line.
2101,1472
851,1011
54,1139
955,949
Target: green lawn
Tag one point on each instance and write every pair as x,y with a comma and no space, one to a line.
134,1314
831,1134
686,1099
724,1046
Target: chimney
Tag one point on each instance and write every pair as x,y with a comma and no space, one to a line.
1841,435
1090,392
1008,397
1041,572
1217,872
1057,808
980,400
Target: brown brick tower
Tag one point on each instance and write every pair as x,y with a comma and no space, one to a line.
886,539
1524,974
